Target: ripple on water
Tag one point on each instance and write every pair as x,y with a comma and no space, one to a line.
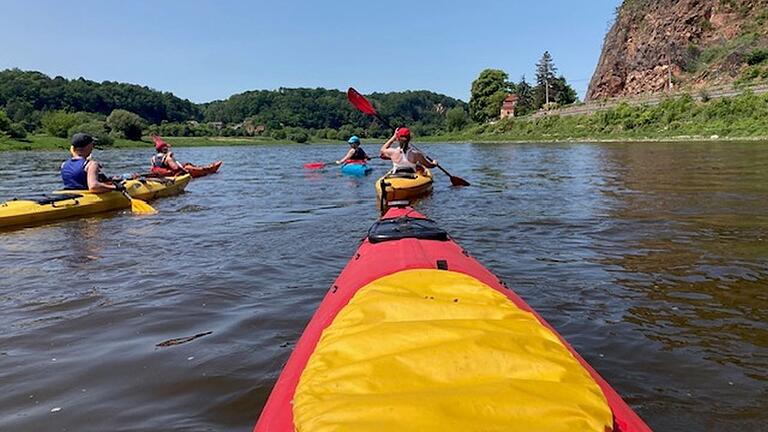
649,259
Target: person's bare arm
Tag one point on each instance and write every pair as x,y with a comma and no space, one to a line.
422,159
172,164
387,145
94,185
346,157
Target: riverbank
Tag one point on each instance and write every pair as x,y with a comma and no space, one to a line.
742,117
45,142
739,118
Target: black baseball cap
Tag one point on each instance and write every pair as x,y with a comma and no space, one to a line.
80,140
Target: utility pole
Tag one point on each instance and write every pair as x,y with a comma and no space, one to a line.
669,68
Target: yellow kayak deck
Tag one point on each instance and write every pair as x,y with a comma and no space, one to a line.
72,203
434,350
404,186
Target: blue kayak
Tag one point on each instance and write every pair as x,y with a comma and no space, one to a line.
356,169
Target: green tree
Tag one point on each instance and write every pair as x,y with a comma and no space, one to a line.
456,118
525,103
488,92
126,124
95,128
549,87
545,76
564,93
58,123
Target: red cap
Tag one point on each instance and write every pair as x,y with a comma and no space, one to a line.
403,132
160,145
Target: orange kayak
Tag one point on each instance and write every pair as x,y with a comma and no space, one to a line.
200,171
194,170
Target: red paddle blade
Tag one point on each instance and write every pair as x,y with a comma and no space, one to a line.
360,102
314,165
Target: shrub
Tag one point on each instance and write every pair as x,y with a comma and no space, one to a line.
279,134
58,123
95,128
17,131
298,136
757,56
126,124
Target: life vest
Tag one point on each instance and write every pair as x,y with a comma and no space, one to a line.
158,160
358,155
74,175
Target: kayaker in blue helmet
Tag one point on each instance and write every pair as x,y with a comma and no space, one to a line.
404,158
81,171
355,153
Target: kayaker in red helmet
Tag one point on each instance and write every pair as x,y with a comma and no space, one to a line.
163,162
404,158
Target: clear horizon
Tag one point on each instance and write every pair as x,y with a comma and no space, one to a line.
204,51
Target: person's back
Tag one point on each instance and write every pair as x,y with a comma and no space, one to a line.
358,155
74,173
80,171
404,159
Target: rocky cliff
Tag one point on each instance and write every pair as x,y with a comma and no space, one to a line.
691,44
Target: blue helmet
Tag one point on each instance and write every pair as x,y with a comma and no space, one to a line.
354,140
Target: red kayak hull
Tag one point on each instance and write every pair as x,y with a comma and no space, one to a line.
200,171
374,261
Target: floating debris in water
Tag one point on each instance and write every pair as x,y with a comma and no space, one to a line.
181,340
192,209
55,410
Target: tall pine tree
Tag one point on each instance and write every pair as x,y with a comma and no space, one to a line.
545,76
550,87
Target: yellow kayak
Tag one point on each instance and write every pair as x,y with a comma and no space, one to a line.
72,203
404,186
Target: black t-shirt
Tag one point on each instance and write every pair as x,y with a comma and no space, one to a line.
359,154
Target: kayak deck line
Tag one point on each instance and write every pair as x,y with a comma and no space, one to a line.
389,286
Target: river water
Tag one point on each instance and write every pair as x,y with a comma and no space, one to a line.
651,260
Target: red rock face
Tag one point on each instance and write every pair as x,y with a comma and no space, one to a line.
689,41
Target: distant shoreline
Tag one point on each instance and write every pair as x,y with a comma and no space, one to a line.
47,143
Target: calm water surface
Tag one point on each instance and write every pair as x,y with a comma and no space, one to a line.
651,259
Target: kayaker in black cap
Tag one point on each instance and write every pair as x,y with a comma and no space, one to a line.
81,171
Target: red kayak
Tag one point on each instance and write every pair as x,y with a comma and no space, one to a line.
194,170
415,335
200,171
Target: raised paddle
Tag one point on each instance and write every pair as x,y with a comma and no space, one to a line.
365,106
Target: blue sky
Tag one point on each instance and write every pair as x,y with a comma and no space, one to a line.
206,50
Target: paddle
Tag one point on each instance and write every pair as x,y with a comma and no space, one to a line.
365,106
138,206
316,165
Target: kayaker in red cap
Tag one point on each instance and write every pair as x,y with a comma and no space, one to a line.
163,162
404,158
